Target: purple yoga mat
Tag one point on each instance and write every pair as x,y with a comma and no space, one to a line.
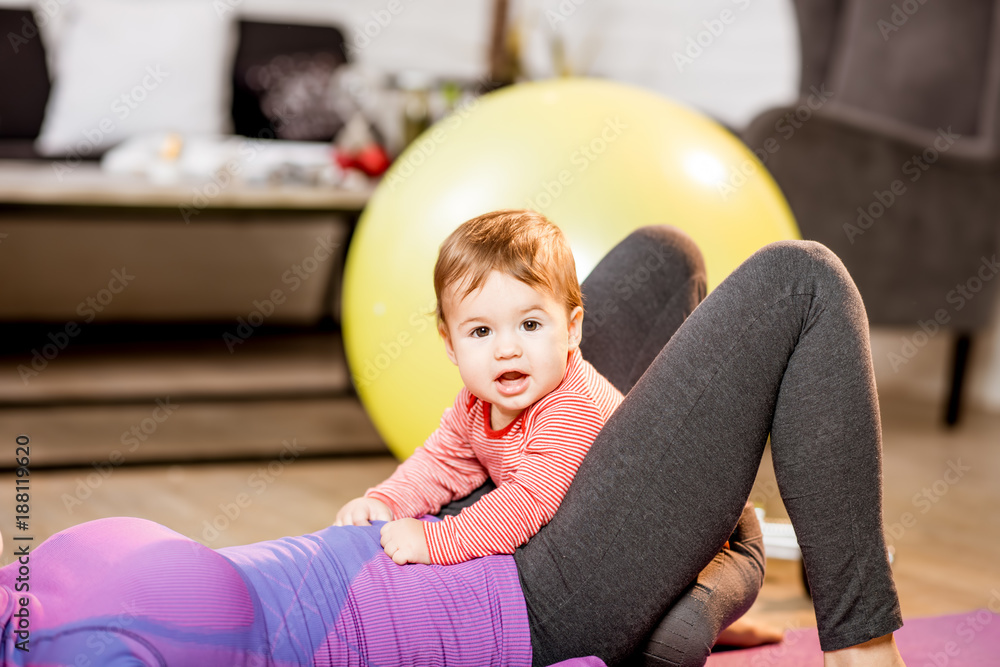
970,639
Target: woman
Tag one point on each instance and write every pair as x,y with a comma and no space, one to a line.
779,347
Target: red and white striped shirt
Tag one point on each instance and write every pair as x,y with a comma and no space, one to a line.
532,462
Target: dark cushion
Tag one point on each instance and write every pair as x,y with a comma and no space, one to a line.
280,79
24,83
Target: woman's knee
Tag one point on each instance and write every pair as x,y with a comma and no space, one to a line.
799,252
808,263
657,254
636,297
684,638
672,248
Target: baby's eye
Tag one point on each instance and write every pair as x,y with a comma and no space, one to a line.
480,332
531,325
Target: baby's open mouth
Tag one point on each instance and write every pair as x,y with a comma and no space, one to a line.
511,383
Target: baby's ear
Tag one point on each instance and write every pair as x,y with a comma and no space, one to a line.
448,347
575,331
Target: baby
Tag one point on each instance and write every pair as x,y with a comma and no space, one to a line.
510,311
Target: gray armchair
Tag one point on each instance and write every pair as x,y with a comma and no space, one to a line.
892,158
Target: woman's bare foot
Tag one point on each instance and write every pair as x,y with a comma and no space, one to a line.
878,652
745,632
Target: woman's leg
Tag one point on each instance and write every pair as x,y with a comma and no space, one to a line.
636,298
780,347
723,592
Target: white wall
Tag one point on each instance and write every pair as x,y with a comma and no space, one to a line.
728,58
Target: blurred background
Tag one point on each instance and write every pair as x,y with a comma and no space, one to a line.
180,182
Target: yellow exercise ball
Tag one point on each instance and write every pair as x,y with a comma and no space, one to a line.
597,158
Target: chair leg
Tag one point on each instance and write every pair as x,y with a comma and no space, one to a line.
959,362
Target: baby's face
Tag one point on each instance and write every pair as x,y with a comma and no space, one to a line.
510,342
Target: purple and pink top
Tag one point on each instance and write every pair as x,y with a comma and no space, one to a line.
126,591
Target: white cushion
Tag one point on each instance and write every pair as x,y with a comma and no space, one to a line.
127,67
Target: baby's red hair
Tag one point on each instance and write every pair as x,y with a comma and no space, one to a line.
522,244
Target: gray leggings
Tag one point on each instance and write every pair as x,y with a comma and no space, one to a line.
780,348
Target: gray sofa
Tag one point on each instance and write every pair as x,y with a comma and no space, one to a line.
890,158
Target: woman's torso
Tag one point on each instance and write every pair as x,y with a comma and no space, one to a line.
130,591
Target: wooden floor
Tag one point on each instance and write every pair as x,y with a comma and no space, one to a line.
944,526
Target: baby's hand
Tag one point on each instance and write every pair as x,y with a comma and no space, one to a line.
404,542
362,511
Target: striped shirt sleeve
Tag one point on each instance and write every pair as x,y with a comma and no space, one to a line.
562,431
445,467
